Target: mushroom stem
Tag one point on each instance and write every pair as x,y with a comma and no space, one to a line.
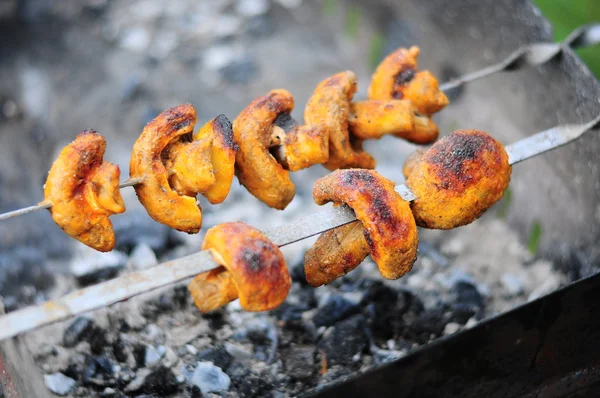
214,289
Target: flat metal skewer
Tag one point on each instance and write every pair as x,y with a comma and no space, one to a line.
127,286
531,55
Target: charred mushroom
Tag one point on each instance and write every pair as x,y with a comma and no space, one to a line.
330,106
175,166
388,231
84,191
457,179
252,268
271,144
397,77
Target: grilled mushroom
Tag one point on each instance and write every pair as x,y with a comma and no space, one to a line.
397,77
388,230
330,106
252,268
265,127
84,191
222,156
457,179
175,166
372,119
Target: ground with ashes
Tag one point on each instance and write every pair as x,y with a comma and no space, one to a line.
112,66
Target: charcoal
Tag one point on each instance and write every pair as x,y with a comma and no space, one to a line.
248,384
84,329
217,355
298,275
334,309
467,302
383,309
290,312
344,340
299,362
125,377
161,381
120,350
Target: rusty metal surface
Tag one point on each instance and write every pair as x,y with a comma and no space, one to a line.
19,375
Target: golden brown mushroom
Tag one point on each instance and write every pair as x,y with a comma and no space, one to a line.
222,156
372,119
175,166
84,191
396,77
388,229
252,268
330,106
261,129
457,179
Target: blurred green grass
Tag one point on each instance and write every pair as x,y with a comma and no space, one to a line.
566,15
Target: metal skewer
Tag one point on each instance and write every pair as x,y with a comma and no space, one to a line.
532,55
127,286
43,205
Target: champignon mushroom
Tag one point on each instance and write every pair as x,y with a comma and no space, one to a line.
330,106
84,191
264,127
222,156
457,179
396,77
252,268
175,166
372,119
388,232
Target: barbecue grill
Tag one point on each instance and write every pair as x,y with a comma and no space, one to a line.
469,36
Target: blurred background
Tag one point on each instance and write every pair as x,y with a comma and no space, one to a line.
566,15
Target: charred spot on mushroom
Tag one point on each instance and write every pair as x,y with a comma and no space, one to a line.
352,176
252,259
84,191
404,77
224,127
285,121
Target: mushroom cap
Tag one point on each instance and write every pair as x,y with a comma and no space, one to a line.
255,167
219,130
388,224
396,77
163,203
84,191
252,268
458,179
329,106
